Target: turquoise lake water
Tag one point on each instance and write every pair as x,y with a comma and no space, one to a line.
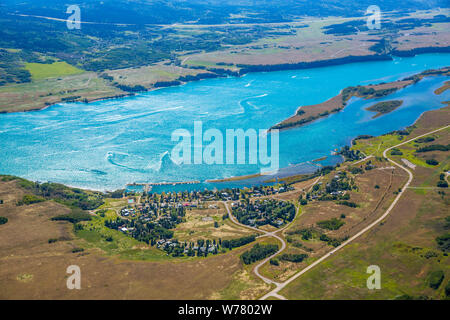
106,144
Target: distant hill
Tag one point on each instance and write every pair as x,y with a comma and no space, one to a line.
208,11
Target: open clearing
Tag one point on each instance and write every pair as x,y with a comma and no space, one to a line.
39,93
53,70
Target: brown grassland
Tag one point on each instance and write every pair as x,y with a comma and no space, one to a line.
372,203
32,268
403,245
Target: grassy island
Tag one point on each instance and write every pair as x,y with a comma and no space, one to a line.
384,107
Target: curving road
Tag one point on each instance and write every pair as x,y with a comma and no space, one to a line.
272,234
264,234
275,292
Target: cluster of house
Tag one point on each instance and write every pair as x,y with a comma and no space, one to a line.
159,208
258,212
173,204
226,195
256,222
165,243
256,193
125,229
125,212
335,189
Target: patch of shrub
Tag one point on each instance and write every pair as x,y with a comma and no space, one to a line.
355,170
136,88
424,140
72,197
396,152
3,220
258,252
443,242
447,223
434,147
347,203
274,262
239,242
306,234
331,241
442,184
430,254
293,257
78,226
75,216
432,162
118,194
435,279
332,224
30,199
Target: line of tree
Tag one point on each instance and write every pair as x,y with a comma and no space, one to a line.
434,147
258,252
293,257
239,242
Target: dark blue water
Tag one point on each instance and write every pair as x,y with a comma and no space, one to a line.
106,144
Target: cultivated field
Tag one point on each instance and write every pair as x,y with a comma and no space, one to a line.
53,70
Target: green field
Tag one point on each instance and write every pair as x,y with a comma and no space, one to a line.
56,69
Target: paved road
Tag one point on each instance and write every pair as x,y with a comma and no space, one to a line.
264,233
272,234
275,292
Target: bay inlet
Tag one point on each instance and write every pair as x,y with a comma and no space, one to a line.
107,144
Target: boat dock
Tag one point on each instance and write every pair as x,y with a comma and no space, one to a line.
149,186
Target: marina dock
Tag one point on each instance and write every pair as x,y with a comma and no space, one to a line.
149,186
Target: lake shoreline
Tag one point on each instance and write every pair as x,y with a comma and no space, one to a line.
287,170
310,113
248,69
285,179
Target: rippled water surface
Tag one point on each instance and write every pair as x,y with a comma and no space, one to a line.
106,144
